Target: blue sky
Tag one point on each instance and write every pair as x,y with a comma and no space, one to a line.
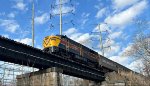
120,18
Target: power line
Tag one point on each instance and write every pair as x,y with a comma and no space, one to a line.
101,38
60,13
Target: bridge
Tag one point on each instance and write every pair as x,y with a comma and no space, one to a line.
18,53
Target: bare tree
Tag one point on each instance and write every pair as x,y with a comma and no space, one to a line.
146,69
128,78
140,49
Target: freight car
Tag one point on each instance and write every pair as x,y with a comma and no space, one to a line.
69,49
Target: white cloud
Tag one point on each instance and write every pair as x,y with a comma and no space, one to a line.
84,18
39,47
102,27
112,50
30,1
27,41
6,35
125,50
101,13
121,60
70,31
83,38
10,25
63,1
126,16
21,6
42,19
119,4
130,62
115,35
65,9
84,21
74,36
136,66
109,42
85,15
11,15
125,60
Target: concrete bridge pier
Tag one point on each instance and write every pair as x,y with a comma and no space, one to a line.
92,83
52,77
58,79
48,77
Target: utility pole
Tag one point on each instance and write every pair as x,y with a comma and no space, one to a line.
101,41
33,24
33,31
60,14
102,38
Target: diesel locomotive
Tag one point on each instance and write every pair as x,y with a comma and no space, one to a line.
69,49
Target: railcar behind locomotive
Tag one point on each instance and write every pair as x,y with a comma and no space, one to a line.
69,49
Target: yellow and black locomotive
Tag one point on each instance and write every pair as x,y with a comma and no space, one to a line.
69,49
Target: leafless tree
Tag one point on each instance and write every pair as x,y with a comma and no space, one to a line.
140,49
128,78
146,69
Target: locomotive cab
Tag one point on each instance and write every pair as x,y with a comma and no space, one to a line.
51,43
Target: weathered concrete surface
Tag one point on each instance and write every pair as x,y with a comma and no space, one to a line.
51,77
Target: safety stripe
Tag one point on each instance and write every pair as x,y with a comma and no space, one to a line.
46,43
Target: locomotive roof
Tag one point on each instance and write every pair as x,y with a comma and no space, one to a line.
64,36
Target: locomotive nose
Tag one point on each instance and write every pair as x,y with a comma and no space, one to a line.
51,41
